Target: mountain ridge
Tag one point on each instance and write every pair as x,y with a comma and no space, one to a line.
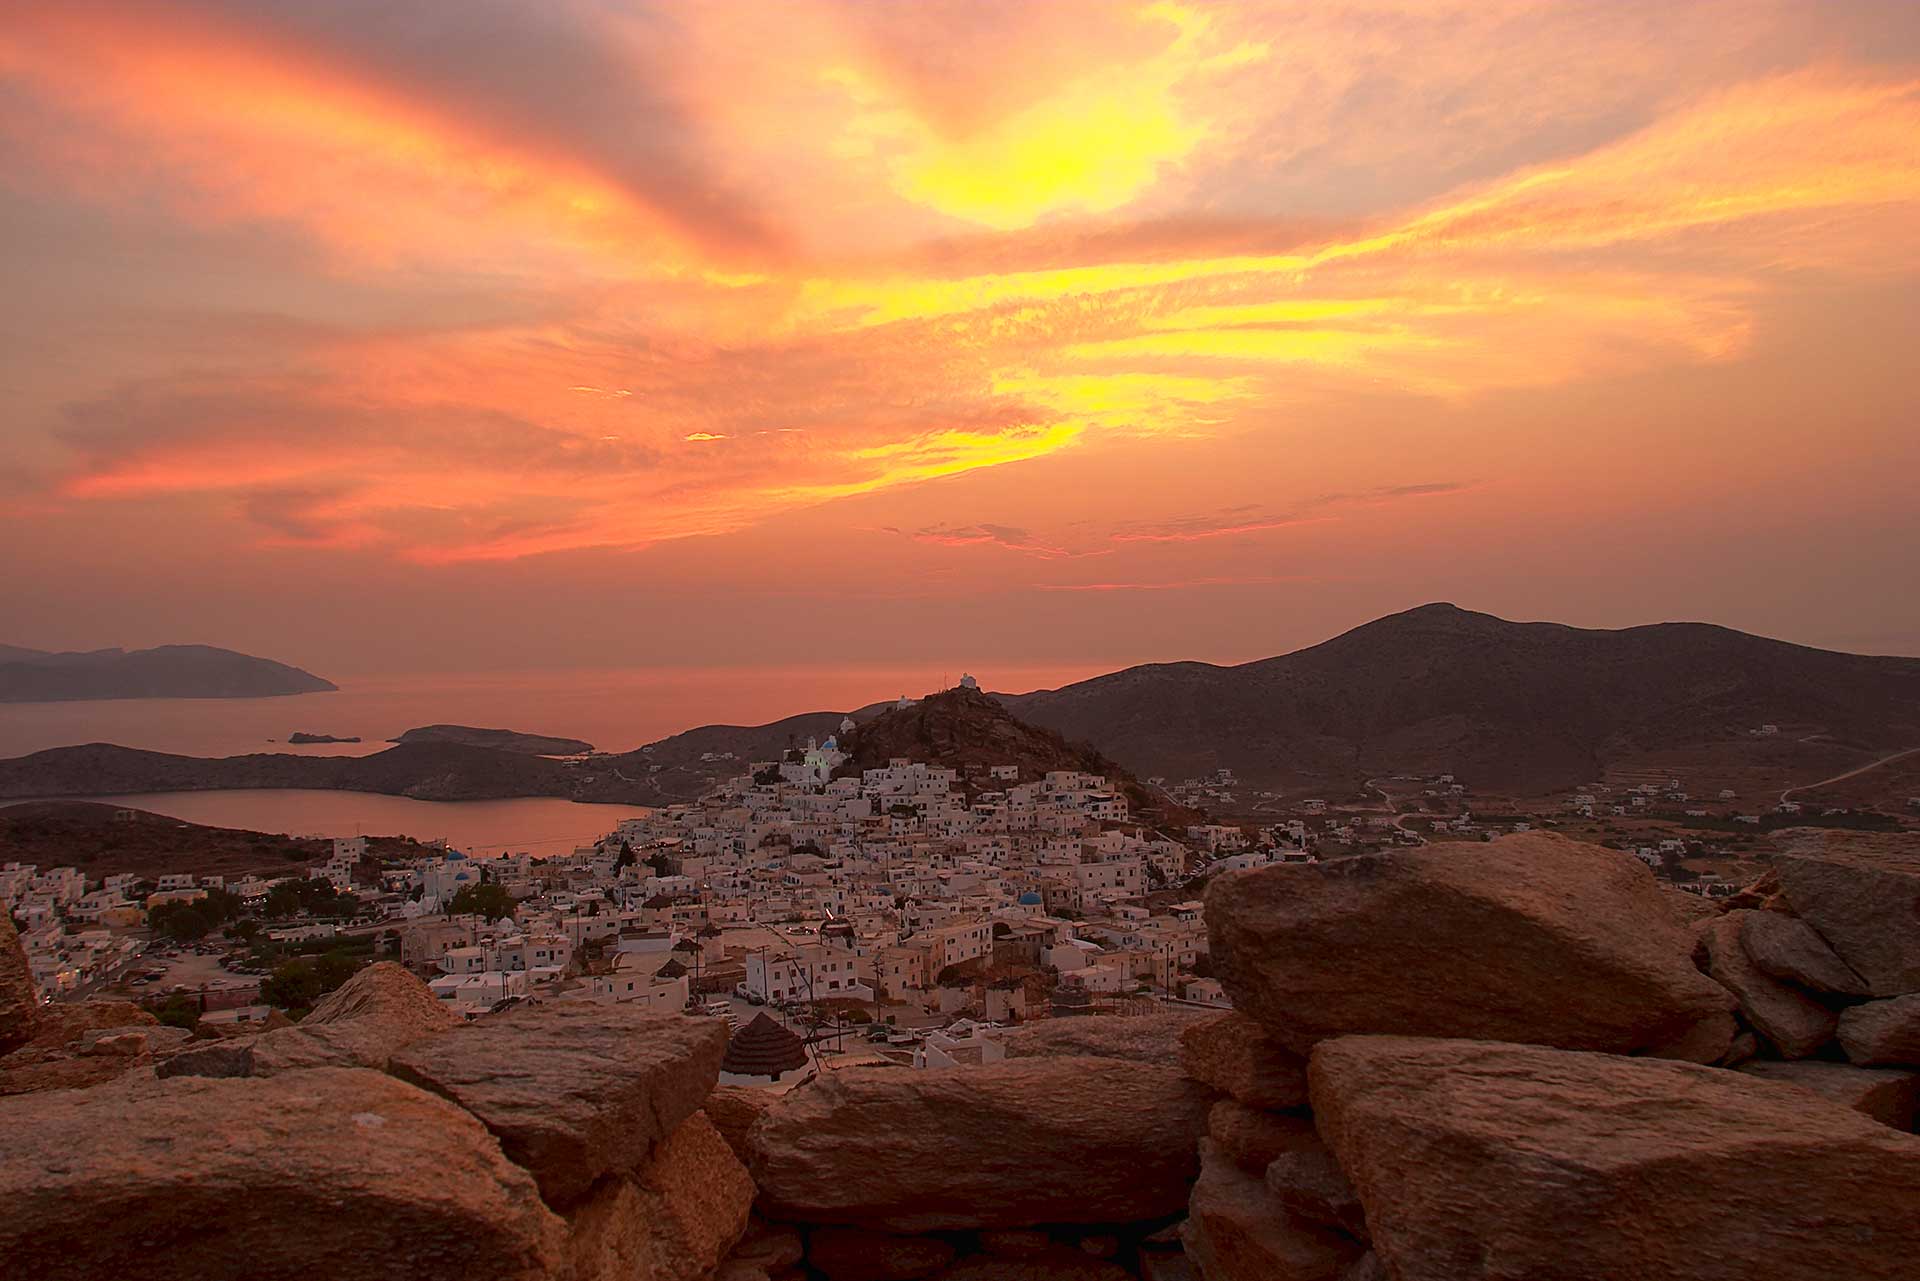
1529,706
164,671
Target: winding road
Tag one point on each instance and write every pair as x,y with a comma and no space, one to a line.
1852,773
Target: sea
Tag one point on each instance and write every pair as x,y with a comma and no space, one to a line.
615,709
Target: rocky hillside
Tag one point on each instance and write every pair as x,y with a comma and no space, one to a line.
968,731
1524,1059
1527,707
500,740
169,671
425,771
103,840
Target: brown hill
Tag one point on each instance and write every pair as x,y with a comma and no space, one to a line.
424,771
1522,706
969,731
103,840
167,671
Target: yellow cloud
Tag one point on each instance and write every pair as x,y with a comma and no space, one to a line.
1093,145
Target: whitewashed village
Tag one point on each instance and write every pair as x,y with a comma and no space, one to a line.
909,912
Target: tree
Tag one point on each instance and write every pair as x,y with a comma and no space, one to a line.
488,900
314,897
335,968
625,860
179,1011
181,922
293,985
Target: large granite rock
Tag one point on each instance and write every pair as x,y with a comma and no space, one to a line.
672,1218
63,1056
1312,1186
1478,1159
1011,1144
1234,1054
1149,1038
1890,1096
19,999
1237,1230
1794,1022
854,1254
1790,950
1862,893
1882,1031
1254,1138
733,1109
573,1091
334,1173
1530,938
363,1023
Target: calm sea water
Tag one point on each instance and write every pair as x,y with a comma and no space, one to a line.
616,710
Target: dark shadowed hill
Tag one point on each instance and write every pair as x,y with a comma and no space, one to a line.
424,771
966,730
1520,706
500,740
169,671
103,840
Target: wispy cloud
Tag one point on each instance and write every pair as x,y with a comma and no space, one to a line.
525,257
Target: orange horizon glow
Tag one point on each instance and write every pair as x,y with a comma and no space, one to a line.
1088,298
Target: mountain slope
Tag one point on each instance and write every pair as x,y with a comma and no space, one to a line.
425,771
968,731
103,840
169,671
1521,706
500,740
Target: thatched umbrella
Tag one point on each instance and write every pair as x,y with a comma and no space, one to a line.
764,1048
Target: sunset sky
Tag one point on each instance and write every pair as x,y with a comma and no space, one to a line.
486,334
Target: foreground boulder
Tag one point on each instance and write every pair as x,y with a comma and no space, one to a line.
1531,938
1255,1139
1882,1031
66,1052
1004,1145
733,1109
673,1218
1476,1159
1890,1096
1787,948
1862,893
19,999
1237,1230
1234,1055
1150,1038
573,1091
363,1023
334,1173
1794,1022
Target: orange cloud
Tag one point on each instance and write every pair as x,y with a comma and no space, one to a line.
564,278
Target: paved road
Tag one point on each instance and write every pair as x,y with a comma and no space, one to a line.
1852,773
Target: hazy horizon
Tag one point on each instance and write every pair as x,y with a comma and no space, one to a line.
502,337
